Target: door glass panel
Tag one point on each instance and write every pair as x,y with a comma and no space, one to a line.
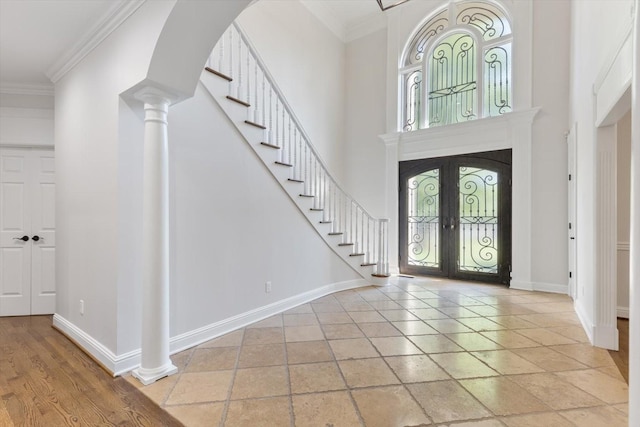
423,219
478,250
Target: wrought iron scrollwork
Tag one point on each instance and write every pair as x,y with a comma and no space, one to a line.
498,88
452,79
420,41
423,219
478,220
490,21
413,100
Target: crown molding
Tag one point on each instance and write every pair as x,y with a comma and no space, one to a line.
365,26
346,32
109,22
26,89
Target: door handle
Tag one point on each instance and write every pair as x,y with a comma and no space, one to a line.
23,238
35,238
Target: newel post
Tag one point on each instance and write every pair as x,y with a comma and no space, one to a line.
155,361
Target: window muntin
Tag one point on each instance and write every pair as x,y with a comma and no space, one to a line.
457,72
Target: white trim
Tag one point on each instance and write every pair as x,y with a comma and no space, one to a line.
623,312
587,325
214,330
120,364
606,336
624,246
540,287
365,26
108,23
345,31
112,362
627,35
27,89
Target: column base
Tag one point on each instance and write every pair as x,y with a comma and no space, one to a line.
149,376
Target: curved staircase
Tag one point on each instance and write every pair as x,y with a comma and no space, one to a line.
238,81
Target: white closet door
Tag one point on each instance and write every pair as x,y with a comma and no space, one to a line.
15,254
27,232
43,233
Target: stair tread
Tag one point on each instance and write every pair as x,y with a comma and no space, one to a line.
295,180
336,233
346,244
266,144
380,275
307,195
219,74
316,209
367,264
357,254
289,165
239,101
258,125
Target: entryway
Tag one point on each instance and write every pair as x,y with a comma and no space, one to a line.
455,217
27,231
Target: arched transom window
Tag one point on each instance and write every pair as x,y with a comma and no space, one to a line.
457,67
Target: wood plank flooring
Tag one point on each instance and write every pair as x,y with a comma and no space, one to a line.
45,380
621,357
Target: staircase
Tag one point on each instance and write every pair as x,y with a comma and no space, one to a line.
244,89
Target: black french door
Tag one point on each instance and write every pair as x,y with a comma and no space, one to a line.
455,217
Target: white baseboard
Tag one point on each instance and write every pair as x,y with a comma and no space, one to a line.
114,364
120,364
214,330
606,337
623,312
540,287
587,324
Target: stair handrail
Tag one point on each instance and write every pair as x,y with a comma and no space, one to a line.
381,249
283,100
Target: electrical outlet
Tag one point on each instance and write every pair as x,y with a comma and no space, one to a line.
267,287
82,307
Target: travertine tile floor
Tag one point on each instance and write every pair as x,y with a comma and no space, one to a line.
415,352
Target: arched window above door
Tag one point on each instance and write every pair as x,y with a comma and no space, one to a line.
457,67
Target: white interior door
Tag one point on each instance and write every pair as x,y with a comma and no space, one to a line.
43,233
27,232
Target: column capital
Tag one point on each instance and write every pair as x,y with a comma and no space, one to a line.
153,96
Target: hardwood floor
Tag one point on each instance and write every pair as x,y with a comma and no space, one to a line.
621,357
45,380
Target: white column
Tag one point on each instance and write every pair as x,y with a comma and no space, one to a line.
391,142
634,256
155,361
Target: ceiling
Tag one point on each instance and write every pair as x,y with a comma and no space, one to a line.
37,36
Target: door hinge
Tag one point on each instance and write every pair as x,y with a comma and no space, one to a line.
570,275
569,177
569,226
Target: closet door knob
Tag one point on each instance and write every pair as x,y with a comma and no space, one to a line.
35,238
23,238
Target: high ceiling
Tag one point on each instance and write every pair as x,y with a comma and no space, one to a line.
36,35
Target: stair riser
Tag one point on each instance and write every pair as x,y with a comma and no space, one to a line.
218,88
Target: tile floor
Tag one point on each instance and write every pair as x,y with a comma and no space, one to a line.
415,352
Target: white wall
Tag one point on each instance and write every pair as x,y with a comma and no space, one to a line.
598,30
623,133
365,120
308,63
551,45
233,227
92,185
